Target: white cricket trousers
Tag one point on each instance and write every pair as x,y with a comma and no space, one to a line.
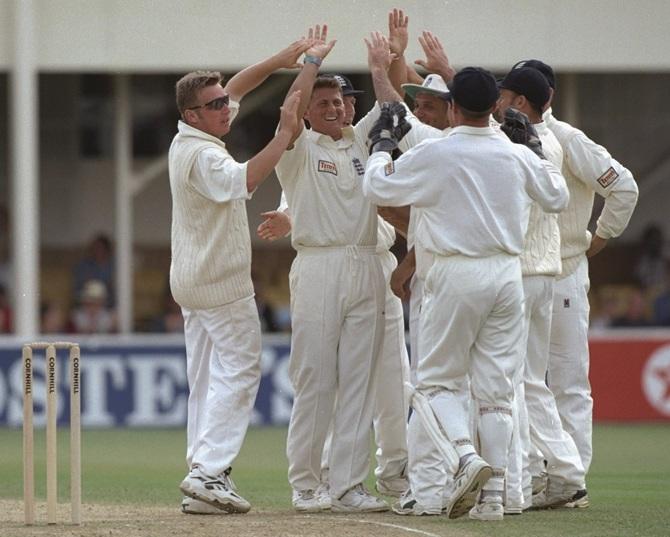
568,376
223,350
428,476
472,327
415,300
390,405
546,430
337,316
391,372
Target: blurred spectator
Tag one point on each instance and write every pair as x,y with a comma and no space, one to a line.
266,312
53,319
636,312
283,318
5,312
661,304
650,267
608,307
171,320
93,316
6,277
98,265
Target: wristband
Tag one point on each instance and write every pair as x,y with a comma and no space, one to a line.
312,59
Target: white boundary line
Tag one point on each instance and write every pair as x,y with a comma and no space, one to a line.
387,525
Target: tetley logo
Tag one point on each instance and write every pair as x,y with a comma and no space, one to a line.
327,166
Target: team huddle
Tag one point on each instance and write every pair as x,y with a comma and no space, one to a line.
492,414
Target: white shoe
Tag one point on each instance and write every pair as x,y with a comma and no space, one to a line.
392,487
323,496
539,482
579,501
216,491
407,505
191,506
306,501
488,508
358,500
557,494
513,509
467,483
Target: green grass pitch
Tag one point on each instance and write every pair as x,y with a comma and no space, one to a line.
629,482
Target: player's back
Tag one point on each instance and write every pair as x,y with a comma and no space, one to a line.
479,198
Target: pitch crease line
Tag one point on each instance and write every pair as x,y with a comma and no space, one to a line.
396,526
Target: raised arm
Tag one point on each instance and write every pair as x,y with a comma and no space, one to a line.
253,76
260,166
436,58
398,39
379,61
318,49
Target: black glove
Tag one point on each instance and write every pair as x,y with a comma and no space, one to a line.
389,128
520,130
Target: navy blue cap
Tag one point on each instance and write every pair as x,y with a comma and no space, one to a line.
539,65
530,83
474,89
346,85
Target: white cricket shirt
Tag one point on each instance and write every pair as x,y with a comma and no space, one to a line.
474,188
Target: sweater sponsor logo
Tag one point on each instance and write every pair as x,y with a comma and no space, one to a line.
328,167
607,178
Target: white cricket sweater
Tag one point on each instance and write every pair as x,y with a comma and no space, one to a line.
589,168
211,246
541,254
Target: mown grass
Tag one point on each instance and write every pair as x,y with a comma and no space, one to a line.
629,482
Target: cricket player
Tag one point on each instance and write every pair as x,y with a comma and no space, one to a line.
536,417
210,274
430,483
473,221
337,294
588,169
392,369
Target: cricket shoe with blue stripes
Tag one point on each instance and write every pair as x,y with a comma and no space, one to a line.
217,491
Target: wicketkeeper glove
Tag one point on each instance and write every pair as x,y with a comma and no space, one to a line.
520,130
389,129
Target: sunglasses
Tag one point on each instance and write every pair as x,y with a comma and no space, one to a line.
214,104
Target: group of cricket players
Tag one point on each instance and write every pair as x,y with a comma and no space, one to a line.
491,416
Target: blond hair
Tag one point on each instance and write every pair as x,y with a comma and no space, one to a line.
188,87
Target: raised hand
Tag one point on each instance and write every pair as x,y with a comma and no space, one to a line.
288,118
379,54
318,37
398,34
389,128
276,225
288,57
436,58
